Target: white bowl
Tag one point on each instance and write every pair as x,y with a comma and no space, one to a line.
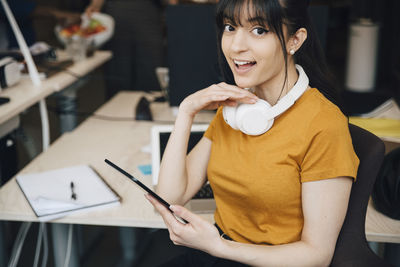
97,39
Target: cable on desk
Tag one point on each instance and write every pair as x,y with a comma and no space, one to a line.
96,116
88,114
105,117
72,73
57,68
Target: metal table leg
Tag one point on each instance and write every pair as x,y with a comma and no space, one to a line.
60,245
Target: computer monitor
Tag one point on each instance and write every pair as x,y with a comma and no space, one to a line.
203,201
159,139
192,49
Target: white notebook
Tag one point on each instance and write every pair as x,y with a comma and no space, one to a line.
56,193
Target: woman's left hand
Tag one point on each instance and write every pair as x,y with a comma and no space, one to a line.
197,233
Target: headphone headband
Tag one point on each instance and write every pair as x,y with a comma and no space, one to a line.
288,100
258,118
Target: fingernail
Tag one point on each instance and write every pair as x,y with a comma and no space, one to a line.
172,207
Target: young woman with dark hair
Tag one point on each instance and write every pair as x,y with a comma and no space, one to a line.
278,156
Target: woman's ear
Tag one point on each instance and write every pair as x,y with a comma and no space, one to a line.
296,41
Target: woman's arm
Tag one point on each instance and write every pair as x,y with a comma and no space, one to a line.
173,182
182,176
324,208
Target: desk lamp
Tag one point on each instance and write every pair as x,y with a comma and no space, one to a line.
33,72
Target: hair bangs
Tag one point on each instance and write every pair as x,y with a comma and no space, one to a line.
260,12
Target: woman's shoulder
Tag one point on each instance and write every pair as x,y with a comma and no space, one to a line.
322,107
323,114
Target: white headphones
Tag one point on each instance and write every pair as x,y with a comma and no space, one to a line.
258,118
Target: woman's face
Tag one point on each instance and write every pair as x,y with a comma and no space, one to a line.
253,53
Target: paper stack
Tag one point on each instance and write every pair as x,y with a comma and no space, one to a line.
384,121
54,194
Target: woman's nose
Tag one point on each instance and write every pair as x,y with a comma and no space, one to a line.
238,43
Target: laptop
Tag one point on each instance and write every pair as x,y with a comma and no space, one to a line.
203,201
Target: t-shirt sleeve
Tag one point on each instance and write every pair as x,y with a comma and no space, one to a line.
209,133
330,151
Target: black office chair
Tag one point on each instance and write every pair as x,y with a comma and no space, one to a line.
352,248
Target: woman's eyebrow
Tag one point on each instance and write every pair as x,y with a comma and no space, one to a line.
257,19
228,19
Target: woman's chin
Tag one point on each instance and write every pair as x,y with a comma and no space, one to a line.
244,85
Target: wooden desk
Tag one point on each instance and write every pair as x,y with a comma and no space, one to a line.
90,143
24,94
94,140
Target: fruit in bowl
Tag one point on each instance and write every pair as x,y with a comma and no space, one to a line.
70,30
94,27
97,29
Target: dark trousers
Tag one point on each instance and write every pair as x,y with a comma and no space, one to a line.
197,258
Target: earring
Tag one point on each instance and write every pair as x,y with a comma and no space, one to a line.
291,52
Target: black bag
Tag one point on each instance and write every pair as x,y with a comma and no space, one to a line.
386,193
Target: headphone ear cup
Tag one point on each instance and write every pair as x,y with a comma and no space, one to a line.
252,119
229,114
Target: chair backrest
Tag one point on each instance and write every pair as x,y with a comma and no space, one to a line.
352,248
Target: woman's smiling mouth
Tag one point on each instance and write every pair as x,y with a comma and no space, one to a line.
243,66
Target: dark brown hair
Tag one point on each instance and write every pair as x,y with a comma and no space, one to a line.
274,14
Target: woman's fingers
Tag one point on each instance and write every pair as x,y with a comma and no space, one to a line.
216,95
175,227
229,103
231,99
185,214
234,88
167,215
235,93
231,93
197,234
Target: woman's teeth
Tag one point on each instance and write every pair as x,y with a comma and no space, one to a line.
240,63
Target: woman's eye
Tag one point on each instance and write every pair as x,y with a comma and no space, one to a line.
228,28
259,31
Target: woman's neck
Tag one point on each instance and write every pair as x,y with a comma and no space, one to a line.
273,91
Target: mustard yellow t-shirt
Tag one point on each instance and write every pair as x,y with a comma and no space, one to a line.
257,180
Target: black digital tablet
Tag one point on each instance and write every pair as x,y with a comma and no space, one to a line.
145,188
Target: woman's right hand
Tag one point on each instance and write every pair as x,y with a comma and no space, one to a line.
214,96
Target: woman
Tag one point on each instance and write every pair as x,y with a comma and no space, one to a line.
281,195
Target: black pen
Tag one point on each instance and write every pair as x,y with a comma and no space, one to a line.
73,194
